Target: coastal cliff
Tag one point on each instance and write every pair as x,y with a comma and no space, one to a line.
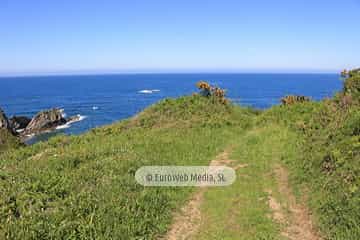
19,128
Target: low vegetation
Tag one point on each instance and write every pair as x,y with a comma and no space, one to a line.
8,141
83,187
292,99
331,161
215,93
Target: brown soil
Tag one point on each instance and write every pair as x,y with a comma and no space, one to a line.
297,224
295,217
187,222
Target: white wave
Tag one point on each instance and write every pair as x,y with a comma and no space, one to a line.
145,91
95,108
68,124
78,119
149,91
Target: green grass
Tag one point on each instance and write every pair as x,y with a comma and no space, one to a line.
8,141
327,168
241,210
330,167
83,187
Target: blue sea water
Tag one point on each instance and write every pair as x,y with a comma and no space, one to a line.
104,99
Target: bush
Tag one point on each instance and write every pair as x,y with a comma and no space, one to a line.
216,93
352,86
292,99
331,161
351,83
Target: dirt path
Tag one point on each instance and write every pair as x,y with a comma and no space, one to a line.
297,222
294,218
187,222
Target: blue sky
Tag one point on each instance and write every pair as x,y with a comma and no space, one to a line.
178,36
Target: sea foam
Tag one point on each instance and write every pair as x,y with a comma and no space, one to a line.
68,124
149,91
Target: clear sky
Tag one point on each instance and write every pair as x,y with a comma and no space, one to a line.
46,36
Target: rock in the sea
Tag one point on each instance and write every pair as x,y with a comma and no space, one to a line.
75,118
45,121
19,122
7,134
4,122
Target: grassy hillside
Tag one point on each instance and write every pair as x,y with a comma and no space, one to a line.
327,167
330,162
83,187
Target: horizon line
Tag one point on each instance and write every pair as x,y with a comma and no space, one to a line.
94,73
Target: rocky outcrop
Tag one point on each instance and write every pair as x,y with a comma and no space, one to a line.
7,134
21,127
72,119
4,122
19,122
45,121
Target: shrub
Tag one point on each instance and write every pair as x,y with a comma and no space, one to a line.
292,99
205,88
352,84
344,101
216,93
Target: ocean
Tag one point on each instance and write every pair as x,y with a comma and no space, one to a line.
104,99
